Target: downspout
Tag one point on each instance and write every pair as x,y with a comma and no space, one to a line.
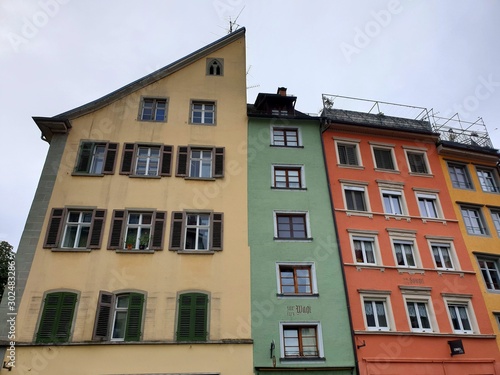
338,248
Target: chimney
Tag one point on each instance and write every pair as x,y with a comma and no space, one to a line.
282,91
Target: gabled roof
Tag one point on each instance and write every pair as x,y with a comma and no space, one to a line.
61,122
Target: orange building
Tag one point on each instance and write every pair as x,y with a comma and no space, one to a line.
415,302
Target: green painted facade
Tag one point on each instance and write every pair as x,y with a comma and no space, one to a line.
326,307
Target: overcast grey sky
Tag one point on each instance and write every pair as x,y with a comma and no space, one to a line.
56,55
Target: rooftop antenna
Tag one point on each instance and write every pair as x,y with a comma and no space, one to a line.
251,86
233,26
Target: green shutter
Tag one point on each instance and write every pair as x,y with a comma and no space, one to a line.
57,317
192,319
134,317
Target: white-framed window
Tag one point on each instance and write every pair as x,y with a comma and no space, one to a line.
144,160
195,232
77,229
443,255
417,161
364,249
404,253
461,313
383,157
355,198
138,230
495,217
428,205
487,179
490,270
282,136
296,279
203,112
153,109
497,318
393,202
348,154
459,175
96,158
287,176
301,340
474,220
291,225
200,162
376,313
147,161
419,315
200,165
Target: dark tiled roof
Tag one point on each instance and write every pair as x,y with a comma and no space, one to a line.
295,115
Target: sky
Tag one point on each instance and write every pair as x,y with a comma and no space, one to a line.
56,55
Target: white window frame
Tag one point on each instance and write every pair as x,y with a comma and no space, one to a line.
414,251
289,166
384,147
427,196
197,227
154,109
307,223
356,187
467,184
348,142
461,301
429,309
285,128
80,224
489,184
451,253
400,199
495,217
201,162
471,229
319,338
365,238
149,159
496,261
203,110
423,153
378,297
314,284
140,227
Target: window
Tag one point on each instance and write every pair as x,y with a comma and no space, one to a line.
490,271
383,158
417,162
487,180
495,216
473,220
392,202
442,256
376,315
192,317
75,228
460,318
291,226
57,317
96,158
285,137
288,177
119,317
355,198
153,109
404,253
196,231
300,341
419,316
215,67
364,250
143,160
296,279
200,163
347,154
140,229
459,176
427,204
202,112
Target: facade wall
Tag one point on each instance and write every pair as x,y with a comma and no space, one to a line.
487,204
160,275
393,284
270,309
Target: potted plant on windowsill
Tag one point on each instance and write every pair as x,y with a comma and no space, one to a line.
144,241
130,241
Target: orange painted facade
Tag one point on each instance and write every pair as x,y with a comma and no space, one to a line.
411,284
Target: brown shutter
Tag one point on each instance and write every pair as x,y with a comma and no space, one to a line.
217,230
219,162
115,237
182,161
103,316
96,229
110,160
54,228
176,231
127,158
158,230
166,161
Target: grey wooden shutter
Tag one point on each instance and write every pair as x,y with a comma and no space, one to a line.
84,157
182,161
176,231
116,236
54,228
102,325
110,159
96,229
219,162
166,161
158,230
217,229
127,158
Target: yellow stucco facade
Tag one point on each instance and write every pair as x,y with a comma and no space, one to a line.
160,275
472,197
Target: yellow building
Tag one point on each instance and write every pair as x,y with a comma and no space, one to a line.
471,167
135,258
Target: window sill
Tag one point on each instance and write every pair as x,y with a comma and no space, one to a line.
82,174
134,251
140,176
286,146
196,252
156,121
416,174
290,189
68,250
303,360
277,239
433,334
387,170
200,178
397,217
358,213
360,167
202,123
301,296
